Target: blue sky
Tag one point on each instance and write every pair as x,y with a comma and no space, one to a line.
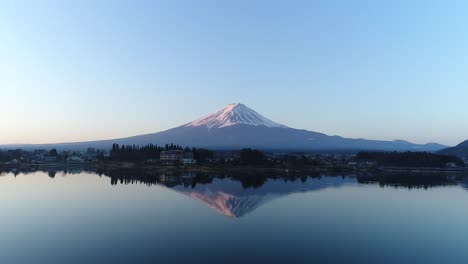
84,70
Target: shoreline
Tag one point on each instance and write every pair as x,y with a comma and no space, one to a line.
423,170
172,168
232,168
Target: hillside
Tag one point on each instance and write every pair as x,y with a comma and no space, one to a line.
460,150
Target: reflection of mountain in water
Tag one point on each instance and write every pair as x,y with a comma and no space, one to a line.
230,198
239,194
233,195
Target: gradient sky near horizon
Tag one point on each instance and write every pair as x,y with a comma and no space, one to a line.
85,70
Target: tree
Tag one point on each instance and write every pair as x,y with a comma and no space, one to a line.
53,153
251,156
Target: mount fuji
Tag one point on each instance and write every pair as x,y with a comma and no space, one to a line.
237,126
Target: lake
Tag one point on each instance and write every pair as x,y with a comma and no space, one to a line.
126,217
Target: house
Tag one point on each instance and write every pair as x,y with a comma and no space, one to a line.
151,161
188,161
50,158
451,165
75,159
188,158
178,155
172,155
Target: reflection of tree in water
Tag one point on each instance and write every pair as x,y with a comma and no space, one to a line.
52,174
237,194
247,179
154,177
408,180
257,179
170,179
131,176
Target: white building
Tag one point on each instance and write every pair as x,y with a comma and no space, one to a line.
172,155
75,159
188,161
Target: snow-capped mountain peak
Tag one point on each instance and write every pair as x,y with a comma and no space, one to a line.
234,114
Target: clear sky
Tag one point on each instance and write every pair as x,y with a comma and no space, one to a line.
84,70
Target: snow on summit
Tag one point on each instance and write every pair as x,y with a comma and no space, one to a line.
234,114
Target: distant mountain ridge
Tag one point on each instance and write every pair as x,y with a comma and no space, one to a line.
237,126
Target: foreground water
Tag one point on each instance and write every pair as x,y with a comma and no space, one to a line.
91,218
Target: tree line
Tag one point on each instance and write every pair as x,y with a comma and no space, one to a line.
152,151
408,159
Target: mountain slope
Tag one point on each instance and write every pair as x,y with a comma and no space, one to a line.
460,150
236,126
234,114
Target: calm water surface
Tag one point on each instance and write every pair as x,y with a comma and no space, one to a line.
91,218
